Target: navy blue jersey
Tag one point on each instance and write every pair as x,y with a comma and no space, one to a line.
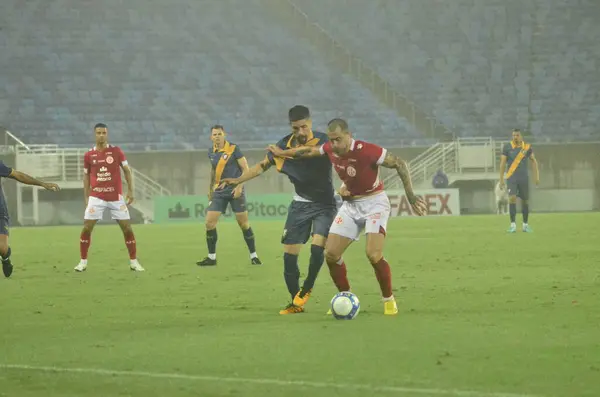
224,164
5,172
311,177
516,160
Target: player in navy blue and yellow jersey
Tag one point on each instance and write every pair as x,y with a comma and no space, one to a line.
227,161
312,210
515,155
7,172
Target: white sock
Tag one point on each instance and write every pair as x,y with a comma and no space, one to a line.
390,298
512,224
133,261
253,255
524,224
212,256
83,261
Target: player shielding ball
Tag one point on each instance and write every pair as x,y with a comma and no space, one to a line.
103,189
366,205
515,155
312,209
227,161
8,172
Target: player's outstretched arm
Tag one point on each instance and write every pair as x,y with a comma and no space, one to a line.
129,181
211,187
29,180
295,153
251,173
394,162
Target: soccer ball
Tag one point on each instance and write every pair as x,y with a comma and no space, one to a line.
345,306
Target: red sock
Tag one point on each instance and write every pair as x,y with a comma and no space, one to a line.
384,277
130,244
85,240
338,275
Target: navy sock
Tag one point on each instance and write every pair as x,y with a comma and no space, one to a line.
211,241
291,273
525,212
512,208
249,237
317,257
6,256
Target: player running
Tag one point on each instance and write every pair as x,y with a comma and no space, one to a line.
8,172
366,205
227,161
102,188
517,177
312,209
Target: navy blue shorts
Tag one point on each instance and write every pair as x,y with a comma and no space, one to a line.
518,187
305,219
220,203
4,224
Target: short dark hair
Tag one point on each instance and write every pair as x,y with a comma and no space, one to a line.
298,112
336,123
517,130
217,127
100,125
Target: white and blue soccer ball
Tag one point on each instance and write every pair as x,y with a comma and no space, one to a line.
345,306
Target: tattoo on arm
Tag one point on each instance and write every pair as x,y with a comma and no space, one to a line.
395,162
301,152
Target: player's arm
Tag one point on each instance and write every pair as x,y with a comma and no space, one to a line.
211,186
297,152
503,158
394,162
243,163
129,180
536,169
29,180
249,174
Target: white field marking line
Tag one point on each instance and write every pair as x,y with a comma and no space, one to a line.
265,381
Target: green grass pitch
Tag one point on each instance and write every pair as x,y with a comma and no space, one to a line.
483,314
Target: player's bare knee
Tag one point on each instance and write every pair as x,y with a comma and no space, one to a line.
88,227
525,202
244,224
374,256
210,224
331,256
512,199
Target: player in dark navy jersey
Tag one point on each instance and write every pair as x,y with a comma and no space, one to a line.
312,210
516,155
227,161
7,172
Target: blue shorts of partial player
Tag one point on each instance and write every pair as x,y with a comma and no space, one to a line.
219,203
4,224
518,187
306,219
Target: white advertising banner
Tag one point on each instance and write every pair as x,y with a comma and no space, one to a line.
439,202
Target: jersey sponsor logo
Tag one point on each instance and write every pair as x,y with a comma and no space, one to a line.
103,175
225,157
351,171
109,159
107,189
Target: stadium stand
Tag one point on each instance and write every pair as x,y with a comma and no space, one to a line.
160,72
481,66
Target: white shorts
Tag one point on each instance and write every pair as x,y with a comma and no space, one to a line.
95,209
368,213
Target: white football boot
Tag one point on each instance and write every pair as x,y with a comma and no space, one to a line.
135,266
81,266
